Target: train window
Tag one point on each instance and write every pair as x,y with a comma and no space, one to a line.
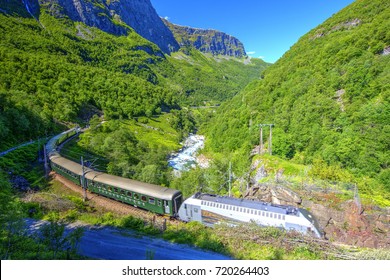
136,196
283,217
263,214
159,202
152,201
279,217
122,192
115,190
109,189
129,194
143,198
266,214
196,210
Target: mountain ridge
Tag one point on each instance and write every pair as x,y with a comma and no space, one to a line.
207,40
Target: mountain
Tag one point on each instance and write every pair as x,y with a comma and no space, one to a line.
117,17
328,97
56,70
207,41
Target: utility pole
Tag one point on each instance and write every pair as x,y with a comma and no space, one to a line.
46,163
261,140
269,140
230,179
83,180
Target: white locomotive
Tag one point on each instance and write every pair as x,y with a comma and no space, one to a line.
210,209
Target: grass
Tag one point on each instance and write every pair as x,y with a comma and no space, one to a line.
155,131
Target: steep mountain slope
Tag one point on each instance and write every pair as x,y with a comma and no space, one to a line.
207,41
58,70
117,17
328,97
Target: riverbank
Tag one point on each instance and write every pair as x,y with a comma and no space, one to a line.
185,158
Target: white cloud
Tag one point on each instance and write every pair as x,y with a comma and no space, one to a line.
250,53
167,18
261,57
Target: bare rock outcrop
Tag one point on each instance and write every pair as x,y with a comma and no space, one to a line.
351,225
275,194
116,17
207,41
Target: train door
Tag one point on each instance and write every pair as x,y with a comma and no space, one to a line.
176,204
195,213
166,207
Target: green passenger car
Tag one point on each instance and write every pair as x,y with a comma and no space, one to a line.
151,197
69,169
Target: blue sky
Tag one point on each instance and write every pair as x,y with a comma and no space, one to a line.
267,28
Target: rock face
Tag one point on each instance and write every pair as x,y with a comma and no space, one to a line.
273,194
351,225
115,17
207,41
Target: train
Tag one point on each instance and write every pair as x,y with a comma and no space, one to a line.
204,208
212,209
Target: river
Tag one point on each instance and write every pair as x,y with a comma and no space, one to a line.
186,157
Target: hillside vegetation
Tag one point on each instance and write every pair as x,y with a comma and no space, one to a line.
328,97
57,70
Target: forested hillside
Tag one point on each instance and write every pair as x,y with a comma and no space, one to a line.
328,97
55,70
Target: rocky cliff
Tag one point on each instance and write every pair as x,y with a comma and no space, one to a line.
112,16
207,41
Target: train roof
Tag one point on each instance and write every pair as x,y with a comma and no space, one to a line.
66,163
258,205
51,145
132,185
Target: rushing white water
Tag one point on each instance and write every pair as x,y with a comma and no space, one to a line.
186,157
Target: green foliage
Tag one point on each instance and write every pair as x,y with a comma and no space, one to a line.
132,149
196,234
57,72
328,97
